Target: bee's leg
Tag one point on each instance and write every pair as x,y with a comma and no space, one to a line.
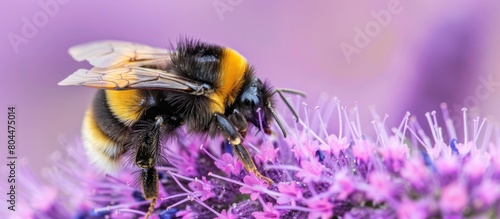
239,121
230,133
148,150
149,178
248,163
146,157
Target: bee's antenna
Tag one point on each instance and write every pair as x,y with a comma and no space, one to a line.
280,92
290,91
276,118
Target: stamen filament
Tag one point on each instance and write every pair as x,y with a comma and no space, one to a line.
448,121
110,208
358,123
340,117
464,113
322,124
130,211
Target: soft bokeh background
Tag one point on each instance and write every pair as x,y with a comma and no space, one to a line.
428,52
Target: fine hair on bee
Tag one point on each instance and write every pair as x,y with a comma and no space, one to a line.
145,94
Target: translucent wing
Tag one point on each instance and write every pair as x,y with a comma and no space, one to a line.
113,54
123,65
135,78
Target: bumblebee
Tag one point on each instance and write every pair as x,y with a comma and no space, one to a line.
146,93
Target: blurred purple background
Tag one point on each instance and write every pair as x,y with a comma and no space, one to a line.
395,55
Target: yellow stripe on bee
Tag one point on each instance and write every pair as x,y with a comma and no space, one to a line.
101,150
232,72
125,105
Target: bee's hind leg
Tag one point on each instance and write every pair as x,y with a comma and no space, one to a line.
146,157
148,150
149,178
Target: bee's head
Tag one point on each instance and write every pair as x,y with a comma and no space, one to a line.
256,105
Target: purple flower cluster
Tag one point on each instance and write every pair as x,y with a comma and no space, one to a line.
398,173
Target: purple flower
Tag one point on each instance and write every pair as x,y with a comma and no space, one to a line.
363,150
379,186
229,164
311,170
316,174
336,145
411,210
344,185
203,187
186,213
415,172
290,192
454,198
267,153
269,212
394,154
319,208
225,215
474,168
252,183
485,194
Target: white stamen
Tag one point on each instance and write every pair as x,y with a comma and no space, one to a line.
356,130
321,122
403,125
114,207
436,127
329,112
316,136
179,195
440,134
479,131
350,125
340,117
398,134
358,123
487,136
118,211
431,126
383,132
448,121
179,203
379,137
475,126
420,131
380,125
193,198
308,127
253,147
418,139
464,113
